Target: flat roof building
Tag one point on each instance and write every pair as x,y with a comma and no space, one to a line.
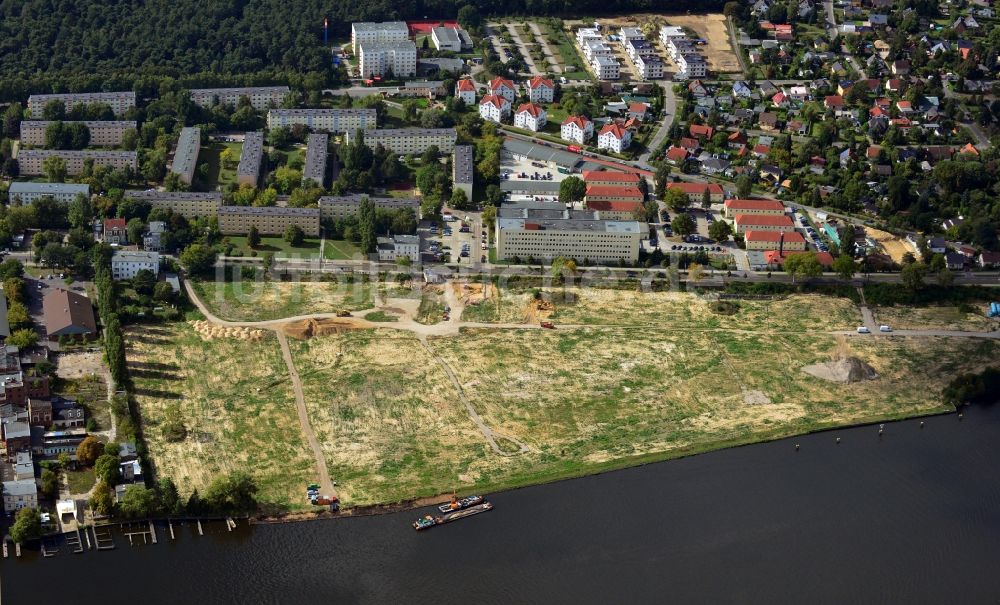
333,207
387,31
462,169
454,39
397,58
186,203
330,120
103,133
31,161
186,155
411,140
125,264
120,102
269,220
260,97
316,154
546,234
248,171
61,192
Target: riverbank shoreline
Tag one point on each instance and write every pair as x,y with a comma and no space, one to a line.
609,467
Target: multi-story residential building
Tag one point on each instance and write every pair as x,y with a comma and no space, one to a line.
120,102
577,129
317,148
330,120
596,48
411,140
399,246
114,231
611,178
454,39
612,193
540,90
670,32
186,155
269,220
502,87
260,97
616,210
126,263
24,468
494,108
20,494
248,170
639,47
606,68
102,133
649,67
530,116
465,89
186,203
31,161
695,192
532,232
398,59
691,66
763,222
790,241
588,34
28,192
614,137
152,239
388,31
462,170
733,207
334,207
627,34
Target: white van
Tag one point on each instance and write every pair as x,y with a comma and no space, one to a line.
863,330
884,328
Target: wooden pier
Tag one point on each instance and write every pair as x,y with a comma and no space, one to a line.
104,538
152,532
200,532
230,524
75,541
135,533
170,526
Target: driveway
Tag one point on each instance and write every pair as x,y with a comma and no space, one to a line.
523,49
669,111
554,65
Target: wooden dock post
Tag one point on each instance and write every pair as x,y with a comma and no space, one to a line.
152,531
17,549
200,532
86,534
5,548
170,525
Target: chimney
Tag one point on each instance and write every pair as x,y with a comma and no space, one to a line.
781,244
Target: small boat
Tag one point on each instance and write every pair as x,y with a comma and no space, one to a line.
427,522
430,521
456,504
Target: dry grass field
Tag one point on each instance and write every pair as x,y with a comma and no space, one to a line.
964,318
235,400
259,301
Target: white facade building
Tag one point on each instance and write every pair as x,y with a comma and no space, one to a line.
465,89
532,232
381,58
28,192
494,108
503,87
692,66
186,155
540,90
530,116
31,161
411,140
126,263
120,102
606,68
388,31
330,120
576,129
260,97
102,133
615,138
649,67
399,246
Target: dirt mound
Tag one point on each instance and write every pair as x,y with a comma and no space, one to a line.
307,328
210,331
844,370
538,309
474,293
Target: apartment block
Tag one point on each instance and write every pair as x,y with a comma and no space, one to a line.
494,108
762,222
530,117
384,58
269,220
248,171
612,193
61,192
693,66
649,67
540,90
614,137
611,178
462,169
398,246
30,161
186,203
576,129
533,232
605,68
465,89
260,97
388,31
125,264
102,133
695,192
120,102
317,146
502,87
411,140
186,156
329,120
334,207
734,207
775,240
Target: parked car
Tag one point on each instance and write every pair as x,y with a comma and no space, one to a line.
863,330
884,328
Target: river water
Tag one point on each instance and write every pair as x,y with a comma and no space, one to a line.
912,516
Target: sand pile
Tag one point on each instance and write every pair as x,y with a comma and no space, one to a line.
844,370
210,331
307,328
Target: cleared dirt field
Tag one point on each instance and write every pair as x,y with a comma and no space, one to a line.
259,301
718,52
894,246
936,318
236,403
669,310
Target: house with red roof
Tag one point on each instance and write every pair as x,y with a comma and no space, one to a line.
465,89
530,117
576,129
776,259
762,222
736,139
733,207
970,149
502,87
614,137
790,241
114,231
611,178
677,155
699,131
540,90
780,99
690,144
695,192
833,102
638,111
494,108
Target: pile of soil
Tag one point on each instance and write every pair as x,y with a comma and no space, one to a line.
308,328
845,370
210,331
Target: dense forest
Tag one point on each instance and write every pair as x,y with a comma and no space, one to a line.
86,45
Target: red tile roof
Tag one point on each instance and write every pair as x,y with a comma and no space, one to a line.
699,130
764,220
608,176
689,188
615,130
580,121
538,82
531,108
614,191
493,100
466,85
834,101
114,223
791,237
773,257
636,107
737,204
496,83
617,206
677,154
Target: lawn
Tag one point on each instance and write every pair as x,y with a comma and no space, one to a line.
339,249
264,300
218,175
276,245
235,400
80,481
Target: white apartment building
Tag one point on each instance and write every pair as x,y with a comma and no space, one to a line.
102,133
691,66
596,48
186,155
639,47
126,263
383,58
588,34
626,34
540,90
530,116
399,246
650,67
333,207
120,102
411,140
678,46
317,148
493,108
20,494
614,137
269,220
28,192
606,68
330,120
30,161
531,232
454,39
186,203
576,129
388,31
248,170
502,87
465,89
260,97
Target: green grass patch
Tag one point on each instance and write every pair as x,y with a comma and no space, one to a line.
218,175
277,246
339,249
381,316
80,481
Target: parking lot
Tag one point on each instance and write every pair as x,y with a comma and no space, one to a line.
516,165
450,239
